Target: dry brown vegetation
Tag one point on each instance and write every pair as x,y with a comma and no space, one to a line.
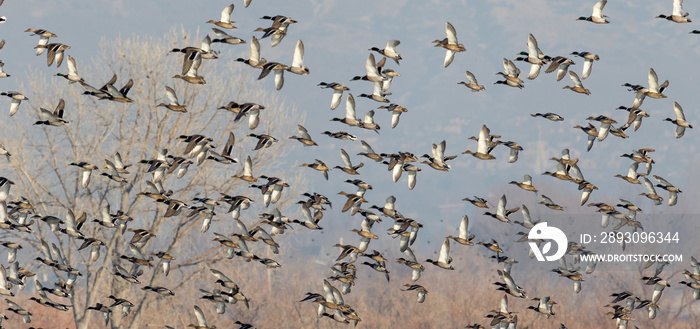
465,300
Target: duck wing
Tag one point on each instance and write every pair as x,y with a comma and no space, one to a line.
464,228
451,33
598,8
677,8
298,60
254,50
533,50
678,110
226,18
534,71
445,252
346,158
449,57
653,80
248,167
350,113
172,97
201,321
574,77
482,143
501,208
649,186
371,67
471,78
72,67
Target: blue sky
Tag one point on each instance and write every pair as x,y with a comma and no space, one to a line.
337,35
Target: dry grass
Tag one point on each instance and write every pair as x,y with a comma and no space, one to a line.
455,299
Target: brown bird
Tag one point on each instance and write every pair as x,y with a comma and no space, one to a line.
225,20
526,184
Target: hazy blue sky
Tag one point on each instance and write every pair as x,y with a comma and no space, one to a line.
337,35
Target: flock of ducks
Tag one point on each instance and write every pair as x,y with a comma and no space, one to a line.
21,217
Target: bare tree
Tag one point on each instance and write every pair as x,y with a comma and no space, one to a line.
138,130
